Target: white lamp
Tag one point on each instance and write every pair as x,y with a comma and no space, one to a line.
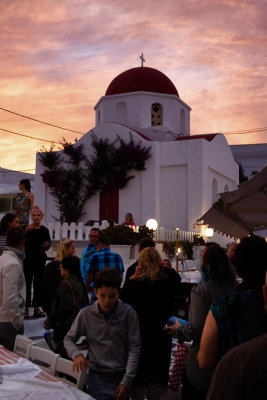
209,232
152,224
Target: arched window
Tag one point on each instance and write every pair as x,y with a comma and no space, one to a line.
182,121
156,114
226,188
214,190
121,113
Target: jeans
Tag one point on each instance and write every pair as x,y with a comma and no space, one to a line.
101,387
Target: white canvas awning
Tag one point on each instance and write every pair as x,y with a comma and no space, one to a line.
241,211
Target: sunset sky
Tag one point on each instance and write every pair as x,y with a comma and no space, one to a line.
58,57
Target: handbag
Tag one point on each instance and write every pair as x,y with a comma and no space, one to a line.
179,366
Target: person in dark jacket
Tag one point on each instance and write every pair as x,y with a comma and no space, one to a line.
151,291
52,275
37,241
71,296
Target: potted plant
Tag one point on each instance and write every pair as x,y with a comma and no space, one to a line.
122,238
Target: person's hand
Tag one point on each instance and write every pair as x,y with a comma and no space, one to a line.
122,393
172,328
46,244
28,228
80,363
138,271
46,324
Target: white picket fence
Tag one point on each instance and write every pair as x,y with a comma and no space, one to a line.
80,232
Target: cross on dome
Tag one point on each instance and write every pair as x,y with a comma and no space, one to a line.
142,59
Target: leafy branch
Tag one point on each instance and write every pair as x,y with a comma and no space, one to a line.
74,179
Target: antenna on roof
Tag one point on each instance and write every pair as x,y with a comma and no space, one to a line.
142,59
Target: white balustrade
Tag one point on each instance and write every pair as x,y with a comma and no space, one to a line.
80,232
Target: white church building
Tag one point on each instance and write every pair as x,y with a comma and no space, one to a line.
183,174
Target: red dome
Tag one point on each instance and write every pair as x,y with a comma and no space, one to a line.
143,79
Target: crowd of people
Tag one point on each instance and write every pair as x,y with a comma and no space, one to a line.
129,344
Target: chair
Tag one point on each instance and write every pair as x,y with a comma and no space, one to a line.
45,359
23,346
64,367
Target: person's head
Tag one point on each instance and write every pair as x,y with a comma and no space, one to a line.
9,220
250,260
107,288
103,242
216,267
37,215
25,184
93,237
128,218
231,250
15,237
146,242
65,248
206,247
70,266
149,259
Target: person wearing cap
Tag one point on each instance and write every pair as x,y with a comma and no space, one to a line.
37,241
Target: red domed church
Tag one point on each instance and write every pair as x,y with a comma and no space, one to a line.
183,174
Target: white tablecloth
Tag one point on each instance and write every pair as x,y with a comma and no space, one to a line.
19,389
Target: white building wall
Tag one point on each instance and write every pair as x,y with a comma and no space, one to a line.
42,196
196,178
138,110
174,197
132,203
175,188
252,157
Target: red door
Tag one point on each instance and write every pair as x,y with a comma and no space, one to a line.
109,205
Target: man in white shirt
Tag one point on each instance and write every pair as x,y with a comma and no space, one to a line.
12,288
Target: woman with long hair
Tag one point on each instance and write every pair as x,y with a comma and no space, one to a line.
240,316
23,202
37,241
9,220
151,292
218,279
52,276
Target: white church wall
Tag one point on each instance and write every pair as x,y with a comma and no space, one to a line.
173,197
195,178
218,157
137,110
175,189
138,197
91,209
133,202
151,185
42,196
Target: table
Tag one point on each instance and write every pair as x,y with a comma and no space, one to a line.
43,386
7,357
